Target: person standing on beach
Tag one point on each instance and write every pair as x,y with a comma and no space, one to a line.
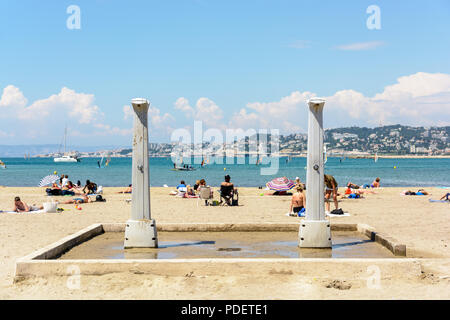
331,188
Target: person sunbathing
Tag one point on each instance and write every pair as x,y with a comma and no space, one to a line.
84,199
90,186
127,190
20,206
420,192
352,185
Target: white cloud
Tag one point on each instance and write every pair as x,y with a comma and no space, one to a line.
78,110
417,99
182,104
106,129
360,46
12,97
206,110
127,112
287,114
78,106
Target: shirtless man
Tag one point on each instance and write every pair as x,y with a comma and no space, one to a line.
298,201
20,206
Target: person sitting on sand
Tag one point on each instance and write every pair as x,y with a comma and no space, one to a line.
376,183
127,190
91,187
196,185
190,191
331,188
181,185
64,181
20,206
445,197
298,201
55,186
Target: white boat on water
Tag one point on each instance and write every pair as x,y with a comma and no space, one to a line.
2,165
66,157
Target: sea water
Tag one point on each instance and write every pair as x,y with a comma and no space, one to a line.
392,172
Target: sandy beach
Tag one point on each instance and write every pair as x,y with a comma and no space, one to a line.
423,226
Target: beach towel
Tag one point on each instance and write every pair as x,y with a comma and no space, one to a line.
346,214
441,201
32,212
293,214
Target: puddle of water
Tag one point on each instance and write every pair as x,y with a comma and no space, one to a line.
192,245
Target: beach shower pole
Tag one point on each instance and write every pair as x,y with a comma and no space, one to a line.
315,231
140,230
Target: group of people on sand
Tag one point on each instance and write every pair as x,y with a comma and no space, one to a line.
64,187
298,202
227,191
67,187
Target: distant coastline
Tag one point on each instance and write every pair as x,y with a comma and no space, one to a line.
282,156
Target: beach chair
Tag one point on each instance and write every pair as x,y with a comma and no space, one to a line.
228,194
205,194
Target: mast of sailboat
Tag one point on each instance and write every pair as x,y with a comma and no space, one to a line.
65,137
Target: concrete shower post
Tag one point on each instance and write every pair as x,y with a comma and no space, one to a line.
315,231
140,230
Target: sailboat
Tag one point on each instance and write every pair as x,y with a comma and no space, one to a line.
66,157
183,167
376,157
101,161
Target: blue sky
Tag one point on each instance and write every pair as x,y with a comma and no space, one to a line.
231,53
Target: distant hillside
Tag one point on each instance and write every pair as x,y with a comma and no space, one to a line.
12,151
